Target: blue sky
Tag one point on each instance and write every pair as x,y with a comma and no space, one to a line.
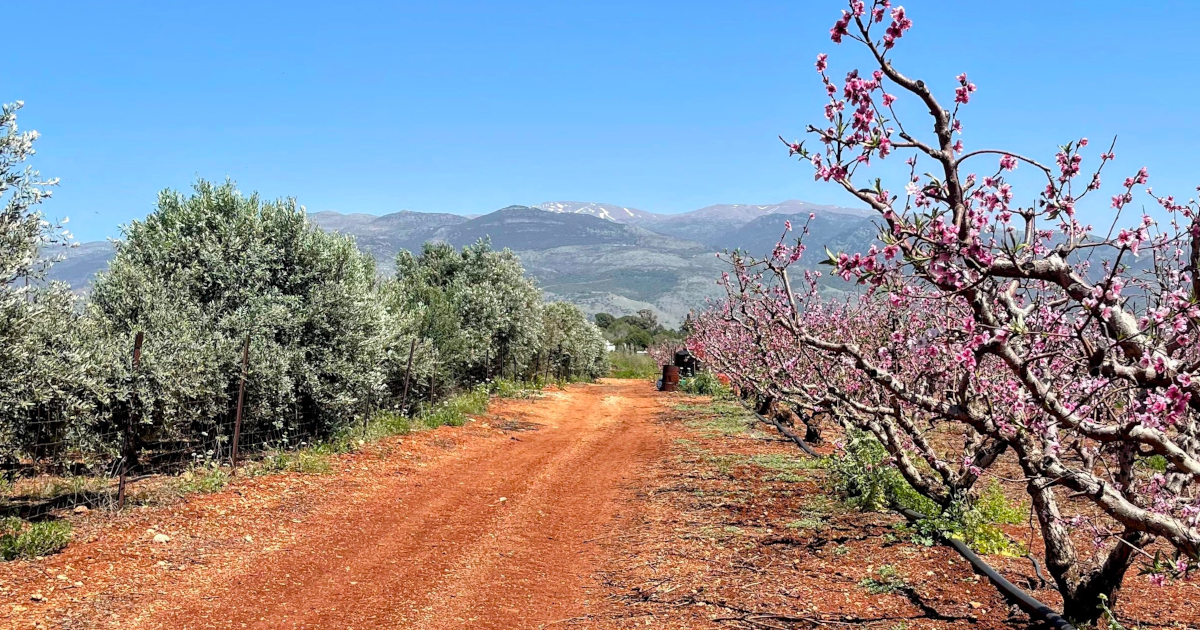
470,106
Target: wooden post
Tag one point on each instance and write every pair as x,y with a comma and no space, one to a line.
408,374
127,447
237,421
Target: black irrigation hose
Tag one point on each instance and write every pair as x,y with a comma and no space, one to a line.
789,434
1010,590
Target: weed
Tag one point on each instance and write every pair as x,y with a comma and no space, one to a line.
1157,463
1108,618
21,539
706,384
724,463
841,550
889,580
202,479
860,477
79,486
819,504
455,410
309,461
786,478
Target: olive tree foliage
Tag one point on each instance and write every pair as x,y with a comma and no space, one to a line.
475,311
43,375
572,347
203,271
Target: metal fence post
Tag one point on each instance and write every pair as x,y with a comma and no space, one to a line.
127,446
237,422
408,374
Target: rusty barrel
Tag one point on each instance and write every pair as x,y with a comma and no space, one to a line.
670,378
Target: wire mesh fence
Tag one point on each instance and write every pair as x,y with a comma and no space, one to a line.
63,457
68,456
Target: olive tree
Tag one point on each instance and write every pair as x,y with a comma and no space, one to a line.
43,376
477,310
203,271
572,347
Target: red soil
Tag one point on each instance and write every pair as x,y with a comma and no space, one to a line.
600,506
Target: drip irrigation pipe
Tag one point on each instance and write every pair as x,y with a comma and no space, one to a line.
1011,591
788,433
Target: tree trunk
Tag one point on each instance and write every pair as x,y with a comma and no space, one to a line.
1080,590
1083,603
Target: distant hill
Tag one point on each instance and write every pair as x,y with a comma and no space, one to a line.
759,236
712,225
599,256
385,235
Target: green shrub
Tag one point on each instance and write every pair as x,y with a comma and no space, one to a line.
201,272
21,539
975,523
860,476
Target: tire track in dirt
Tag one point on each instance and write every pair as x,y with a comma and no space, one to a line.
499,538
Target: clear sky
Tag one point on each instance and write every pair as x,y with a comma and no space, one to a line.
470,106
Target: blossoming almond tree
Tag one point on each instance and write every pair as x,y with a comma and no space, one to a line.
1070,346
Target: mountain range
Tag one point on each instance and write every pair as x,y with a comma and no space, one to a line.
603,257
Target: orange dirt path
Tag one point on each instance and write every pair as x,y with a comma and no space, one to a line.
499,537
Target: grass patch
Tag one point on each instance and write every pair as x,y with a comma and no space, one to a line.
454,411
639,366
718,417
308,461
21,539
202,480
785,462
807,523
787,466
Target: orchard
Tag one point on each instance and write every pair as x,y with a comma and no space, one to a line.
1068,348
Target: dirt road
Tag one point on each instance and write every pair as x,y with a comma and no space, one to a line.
498,538
495,532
